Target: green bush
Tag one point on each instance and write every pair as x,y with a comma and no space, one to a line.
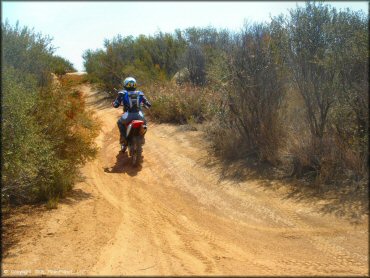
46,132
29,52
61,66
24,148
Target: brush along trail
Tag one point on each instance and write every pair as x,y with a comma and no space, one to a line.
173,215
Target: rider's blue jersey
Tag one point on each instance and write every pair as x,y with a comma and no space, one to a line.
131,100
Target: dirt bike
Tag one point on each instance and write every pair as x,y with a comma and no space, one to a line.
135,131
135,141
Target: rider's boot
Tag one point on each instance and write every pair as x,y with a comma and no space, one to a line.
123,142
123,148
122,139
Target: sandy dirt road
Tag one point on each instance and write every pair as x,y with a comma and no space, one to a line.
175,216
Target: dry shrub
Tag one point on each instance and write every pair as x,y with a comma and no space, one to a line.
70,131
252,96
225,140
324,161
181,104
72,80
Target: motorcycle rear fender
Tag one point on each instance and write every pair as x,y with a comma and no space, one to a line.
136,124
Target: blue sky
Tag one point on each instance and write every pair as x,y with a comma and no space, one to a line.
77,26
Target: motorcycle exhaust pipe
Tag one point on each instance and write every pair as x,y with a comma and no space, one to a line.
143,130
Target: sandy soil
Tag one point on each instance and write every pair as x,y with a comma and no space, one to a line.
175,216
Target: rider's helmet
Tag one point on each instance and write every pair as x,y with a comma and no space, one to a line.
129,84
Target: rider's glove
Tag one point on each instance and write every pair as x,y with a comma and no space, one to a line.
147,104
115,104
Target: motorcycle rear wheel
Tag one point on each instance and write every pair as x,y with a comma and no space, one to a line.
136,151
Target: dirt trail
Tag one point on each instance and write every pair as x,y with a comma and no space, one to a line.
173,216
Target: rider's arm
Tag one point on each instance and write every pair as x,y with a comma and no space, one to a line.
118,100
146,102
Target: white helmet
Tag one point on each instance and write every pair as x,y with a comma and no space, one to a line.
129,84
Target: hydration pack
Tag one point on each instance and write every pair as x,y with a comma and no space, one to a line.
134,101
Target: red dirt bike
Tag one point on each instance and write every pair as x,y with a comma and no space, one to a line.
135,131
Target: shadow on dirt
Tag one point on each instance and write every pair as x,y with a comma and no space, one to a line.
75,196
101,100
15,218
123,165
350,202
14,224
237,170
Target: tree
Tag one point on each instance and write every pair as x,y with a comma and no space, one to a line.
61,66
194,60
256,91
310,45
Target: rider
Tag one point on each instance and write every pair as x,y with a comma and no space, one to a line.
132,101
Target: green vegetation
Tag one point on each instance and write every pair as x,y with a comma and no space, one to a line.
46,132
155,58
61,66
292,92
